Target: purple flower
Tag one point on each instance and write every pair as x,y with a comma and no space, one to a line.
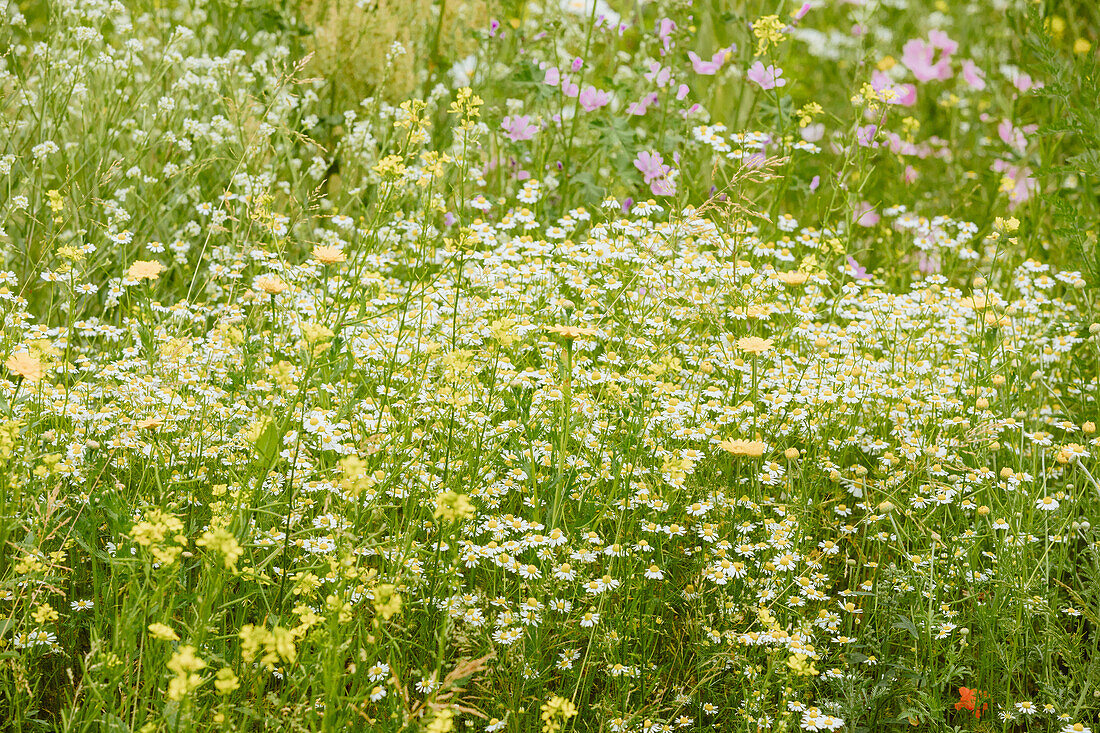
865,135
519,128
711,67
768,77
927,263
592,98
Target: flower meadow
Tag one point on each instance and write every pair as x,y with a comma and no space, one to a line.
549,365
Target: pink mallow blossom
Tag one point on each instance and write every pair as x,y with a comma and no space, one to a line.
865,215
639,108
1017,182
973,76
658,74
768,77
904,94
920,57
856,270
709,68
664,32
655,173
519,128
592,98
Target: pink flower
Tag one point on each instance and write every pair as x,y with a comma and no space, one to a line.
1025,83
904,94
928,264
858,271
865,135
1017,182
768,77
919,58
658,74
655,173
519,128
577,64
553,77
865,215
801,12
639,108
664,32
681,92
651,165
1012,136
910,174
973,76
569,88
940,40
709,68
592,98
663,187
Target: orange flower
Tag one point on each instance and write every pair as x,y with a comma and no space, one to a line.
968,699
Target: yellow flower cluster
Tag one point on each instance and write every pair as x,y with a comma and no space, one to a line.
555,713
275,644
186,664
768,30
223,542
451,506
155,531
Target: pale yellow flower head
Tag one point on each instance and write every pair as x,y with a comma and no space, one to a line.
754,344
270,284
750,448
327,255
144,270
26,365
163,632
